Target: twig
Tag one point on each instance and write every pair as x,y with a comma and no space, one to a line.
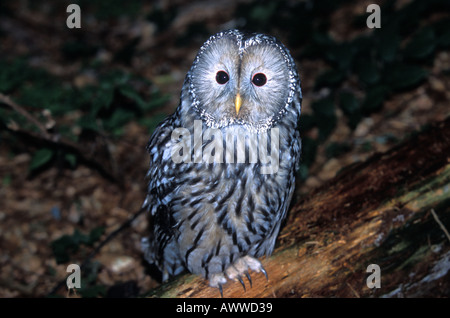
354,291
59,141
99,247
6,100
440,224
55,139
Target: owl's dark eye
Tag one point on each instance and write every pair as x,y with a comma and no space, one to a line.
222,77
259,79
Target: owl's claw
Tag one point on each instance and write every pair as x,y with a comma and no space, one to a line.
217,280
249,278
236,271
241,267
239,278
264,272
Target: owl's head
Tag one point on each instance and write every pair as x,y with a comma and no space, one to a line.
243,78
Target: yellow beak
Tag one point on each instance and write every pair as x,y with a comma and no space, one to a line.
238,103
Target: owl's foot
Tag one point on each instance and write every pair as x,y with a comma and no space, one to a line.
235,272
241,267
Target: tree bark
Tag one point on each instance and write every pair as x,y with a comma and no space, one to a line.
392,211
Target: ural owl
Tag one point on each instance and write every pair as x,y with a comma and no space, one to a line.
222,167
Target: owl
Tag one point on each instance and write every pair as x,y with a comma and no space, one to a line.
222,167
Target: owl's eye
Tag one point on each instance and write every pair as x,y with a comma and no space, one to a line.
222,77
259,79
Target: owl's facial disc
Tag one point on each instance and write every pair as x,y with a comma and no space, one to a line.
241,82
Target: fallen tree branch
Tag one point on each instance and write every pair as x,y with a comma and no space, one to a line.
375,212
54,140
19,109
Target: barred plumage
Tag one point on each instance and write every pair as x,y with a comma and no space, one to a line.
214,213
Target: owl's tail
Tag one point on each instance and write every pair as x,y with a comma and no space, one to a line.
148,251
168,262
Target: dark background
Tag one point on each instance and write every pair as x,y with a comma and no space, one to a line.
83,103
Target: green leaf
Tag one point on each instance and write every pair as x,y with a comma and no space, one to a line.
309,150
367,146
320,44
45,93
351,108
133,95
63,247
95,235
79,238
113,9
348,103
367,71
92,291
126,53
303,172
388,42
102,99
152,122
6,180
374,99
307,122
324,107
88,122
67,244
342,55
162,18
78,49
331,77
262,13
118,118
444,40
71,159
90,273
362,44
326,119
421,45
336,149
442,30
322,39
13,74
157,100
40,158
401,76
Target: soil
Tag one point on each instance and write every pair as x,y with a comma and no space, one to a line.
37,209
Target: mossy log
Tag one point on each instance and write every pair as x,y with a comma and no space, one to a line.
391,210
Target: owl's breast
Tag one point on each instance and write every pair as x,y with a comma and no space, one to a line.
227,210
227,191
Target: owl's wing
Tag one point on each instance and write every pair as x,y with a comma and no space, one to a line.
161,174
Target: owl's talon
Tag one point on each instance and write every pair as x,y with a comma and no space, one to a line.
220,290
264,272
249,278
217,280
239,278
241,267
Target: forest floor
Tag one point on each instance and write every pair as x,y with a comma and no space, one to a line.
37,209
